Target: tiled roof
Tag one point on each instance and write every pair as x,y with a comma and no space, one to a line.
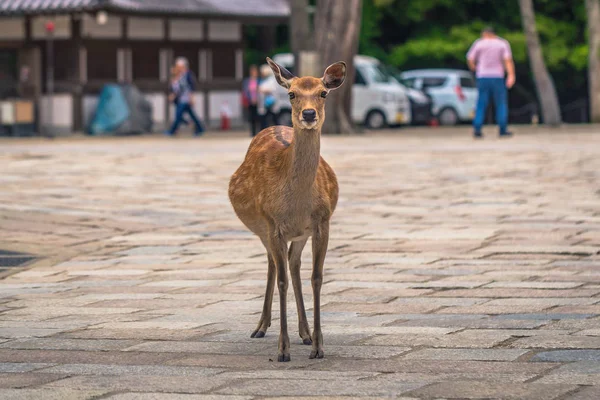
45,6
242,8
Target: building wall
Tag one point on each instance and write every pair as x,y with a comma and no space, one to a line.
134,50
12,28
56,112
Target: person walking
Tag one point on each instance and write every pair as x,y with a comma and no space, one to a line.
250,98
491,58
266,98
173,89
183,95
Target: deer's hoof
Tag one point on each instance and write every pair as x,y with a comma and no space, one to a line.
257,334
283,358
317,354
307,341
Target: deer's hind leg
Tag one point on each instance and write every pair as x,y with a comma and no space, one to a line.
320,242
294,256
265,319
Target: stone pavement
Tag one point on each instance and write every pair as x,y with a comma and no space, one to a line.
457,270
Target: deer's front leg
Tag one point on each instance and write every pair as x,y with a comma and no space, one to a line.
295,262
265,319
278,248
320,242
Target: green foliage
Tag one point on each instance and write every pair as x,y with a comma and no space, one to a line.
437,32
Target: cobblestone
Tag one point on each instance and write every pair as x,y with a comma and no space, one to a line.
456,270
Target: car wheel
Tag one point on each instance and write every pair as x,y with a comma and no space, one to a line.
285,118
375,120
448,117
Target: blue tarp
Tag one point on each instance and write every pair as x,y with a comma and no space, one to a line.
111,112
121,110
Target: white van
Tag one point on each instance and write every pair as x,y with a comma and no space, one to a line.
377,100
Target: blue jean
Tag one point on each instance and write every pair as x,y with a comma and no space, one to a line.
181,110
495,88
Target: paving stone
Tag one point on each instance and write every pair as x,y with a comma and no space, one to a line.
68,344
473,339
14,333
105,369
466,354
567,355
586,393
557,342
26,379
546,317
518,293
439,281
22,367
199,347
139,334
338,387
50,394
174,396
455,376
485,390
455,320
243,362
535,285
151,324
579,373
83,357
141,383
491,309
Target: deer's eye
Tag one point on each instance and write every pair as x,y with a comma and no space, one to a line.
323,94
292,95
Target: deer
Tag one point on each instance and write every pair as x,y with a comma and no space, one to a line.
284,192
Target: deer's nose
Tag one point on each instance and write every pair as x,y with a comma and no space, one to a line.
309,115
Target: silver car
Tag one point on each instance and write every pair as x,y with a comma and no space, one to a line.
453,91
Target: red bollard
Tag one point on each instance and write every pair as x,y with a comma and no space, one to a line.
225,117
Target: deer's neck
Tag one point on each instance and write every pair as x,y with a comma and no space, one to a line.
304,154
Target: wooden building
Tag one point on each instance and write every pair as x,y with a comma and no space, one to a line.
128,41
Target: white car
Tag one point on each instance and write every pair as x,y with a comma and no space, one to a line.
377,100
453,91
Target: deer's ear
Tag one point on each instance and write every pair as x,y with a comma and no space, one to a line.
334,75
283,76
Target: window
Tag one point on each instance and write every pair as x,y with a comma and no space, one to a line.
433,82
410,82
101,61
373,73
358,78
8,73
223,62
467,82
62,54
145,61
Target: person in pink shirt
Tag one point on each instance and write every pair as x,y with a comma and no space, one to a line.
250,96
491,59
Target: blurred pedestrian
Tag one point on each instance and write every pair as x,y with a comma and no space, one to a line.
173,89
266,104
183,91
491,58
250,99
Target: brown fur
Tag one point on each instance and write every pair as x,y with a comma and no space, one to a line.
285,192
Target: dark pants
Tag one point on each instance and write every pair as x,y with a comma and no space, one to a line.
181,110
492,88
254,119
268,119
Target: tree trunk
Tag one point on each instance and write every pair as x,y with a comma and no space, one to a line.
300,29
337,27
593,18
543,81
